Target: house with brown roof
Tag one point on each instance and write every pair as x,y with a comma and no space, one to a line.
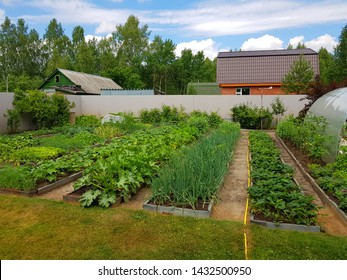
259,72
72,82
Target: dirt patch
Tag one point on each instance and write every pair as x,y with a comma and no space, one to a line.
137,200
58,193
233,193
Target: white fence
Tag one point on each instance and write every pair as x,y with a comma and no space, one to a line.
101,105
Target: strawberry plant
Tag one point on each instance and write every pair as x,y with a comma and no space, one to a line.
273,193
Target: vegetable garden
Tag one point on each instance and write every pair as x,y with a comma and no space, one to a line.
116,158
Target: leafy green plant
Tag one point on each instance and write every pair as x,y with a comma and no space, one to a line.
19,178
120,168
34,154
308,135
332,178
273,193
108,131
87,121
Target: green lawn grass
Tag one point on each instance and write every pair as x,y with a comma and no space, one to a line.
33,228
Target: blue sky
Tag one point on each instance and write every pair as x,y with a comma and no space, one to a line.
208,25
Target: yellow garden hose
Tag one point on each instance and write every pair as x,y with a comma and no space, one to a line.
246,210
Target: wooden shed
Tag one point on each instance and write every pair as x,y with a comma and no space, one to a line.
71,82
259,72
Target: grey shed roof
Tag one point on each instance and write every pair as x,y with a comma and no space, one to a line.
88,82
255,67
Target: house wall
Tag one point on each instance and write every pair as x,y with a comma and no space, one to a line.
63,81
102,105
275,90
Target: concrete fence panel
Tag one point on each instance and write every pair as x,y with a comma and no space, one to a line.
102,105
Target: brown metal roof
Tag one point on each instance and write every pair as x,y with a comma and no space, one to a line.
283,52
89,83
253,67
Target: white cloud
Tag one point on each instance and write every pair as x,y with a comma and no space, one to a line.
296,40
208,46
266,42
105,27
324,41
98,38
208,18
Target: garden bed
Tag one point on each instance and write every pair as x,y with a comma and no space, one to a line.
199,212
193,177
45,188
274,195
303,162
283,226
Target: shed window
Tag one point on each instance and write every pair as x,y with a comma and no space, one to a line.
57,78
243,91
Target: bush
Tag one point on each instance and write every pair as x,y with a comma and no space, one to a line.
199,122
46,111
252,117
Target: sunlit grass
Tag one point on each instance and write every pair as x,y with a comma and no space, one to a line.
33,228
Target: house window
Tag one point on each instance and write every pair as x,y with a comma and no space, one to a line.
243,91
57,78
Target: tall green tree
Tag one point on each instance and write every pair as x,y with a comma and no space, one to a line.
106,54
21,60
299,77
131,43
327,66
87,59
7,50
340,56
159,58
57,47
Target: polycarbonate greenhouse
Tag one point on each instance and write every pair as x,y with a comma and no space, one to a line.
332,106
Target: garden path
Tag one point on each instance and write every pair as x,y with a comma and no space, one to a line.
231,204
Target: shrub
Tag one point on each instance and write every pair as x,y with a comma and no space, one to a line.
199,122
46,111
252,117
